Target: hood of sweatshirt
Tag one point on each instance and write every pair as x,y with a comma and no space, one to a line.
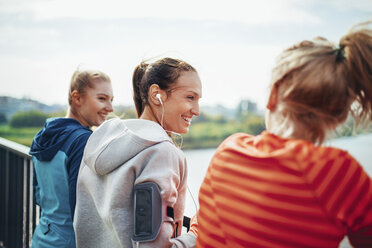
51,138
116,141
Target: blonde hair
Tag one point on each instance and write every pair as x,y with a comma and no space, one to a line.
321,83
80,80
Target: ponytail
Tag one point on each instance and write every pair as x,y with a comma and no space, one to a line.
320,84
138,99
358,51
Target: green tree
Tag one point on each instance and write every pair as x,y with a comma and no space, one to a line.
31,118
254,124
124,112
201,118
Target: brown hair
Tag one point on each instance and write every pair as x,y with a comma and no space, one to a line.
163,72
320,83
82,79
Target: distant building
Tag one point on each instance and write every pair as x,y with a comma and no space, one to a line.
246,107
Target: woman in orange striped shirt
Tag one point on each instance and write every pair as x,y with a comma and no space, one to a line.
282,188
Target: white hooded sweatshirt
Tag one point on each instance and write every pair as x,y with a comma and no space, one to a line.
118,155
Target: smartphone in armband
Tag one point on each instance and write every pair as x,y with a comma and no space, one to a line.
147,211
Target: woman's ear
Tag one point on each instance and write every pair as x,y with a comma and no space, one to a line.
76,98
155,94
273,98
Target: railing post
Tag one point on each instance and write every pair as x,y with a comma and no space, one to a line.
6,199
4,196
31,205
18,213
26,204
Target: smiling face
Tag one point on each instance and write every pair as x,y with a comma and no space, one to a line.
182,102
95,103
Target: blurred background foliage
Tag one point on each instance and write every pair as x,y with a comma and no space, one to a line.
206,131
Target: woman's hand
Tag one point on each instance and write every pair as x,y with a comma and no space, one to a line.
194,225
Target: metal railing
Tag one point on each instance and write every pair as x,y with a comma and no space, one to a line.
18,213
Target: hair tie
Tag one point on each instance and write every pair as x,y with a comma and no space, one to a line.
339,51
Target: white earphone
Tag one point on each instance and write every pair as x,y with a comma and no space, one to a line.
159,97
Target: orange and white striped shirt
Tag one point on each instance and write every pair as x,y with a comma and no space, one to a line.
266,191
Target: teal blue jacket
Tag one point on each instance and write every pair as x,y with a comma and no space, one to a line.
56,152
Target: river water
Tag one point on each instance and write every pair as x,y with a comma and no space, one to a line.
198,160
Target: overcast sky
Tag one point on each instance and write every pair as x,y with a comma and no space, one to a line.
232,43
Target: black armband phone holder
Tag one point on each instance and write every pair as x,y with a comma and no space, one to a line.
147,211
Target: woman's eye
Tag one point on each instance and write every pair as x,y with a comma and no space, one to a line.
191,97
102,98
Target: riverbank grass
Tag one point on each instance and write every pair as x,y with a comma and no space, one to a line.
22,136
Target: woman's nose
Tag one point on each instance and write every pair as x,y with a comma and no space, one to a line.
109,107
195,110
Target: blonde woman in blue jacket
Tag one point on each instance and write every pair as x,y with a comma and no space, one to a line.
56,152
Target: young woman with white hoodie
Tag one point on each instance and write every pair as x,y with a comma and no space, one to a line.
122,154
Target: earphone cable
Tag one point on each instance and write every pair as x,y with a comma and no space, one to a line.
193,199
